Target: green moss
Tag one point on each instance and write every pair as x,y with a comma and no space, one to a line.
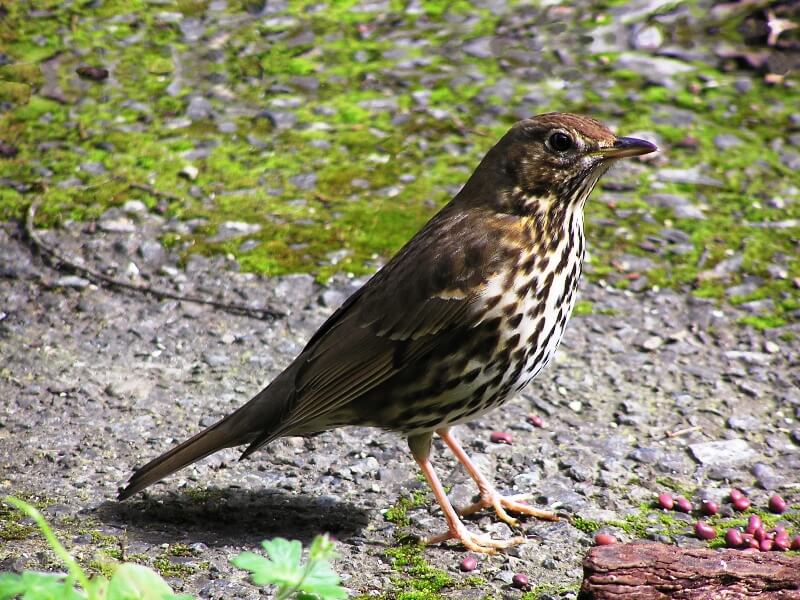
13,525
360,204
583,307
588,526
417,580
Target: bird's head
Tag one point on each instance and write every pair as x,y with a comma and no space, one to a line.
556,157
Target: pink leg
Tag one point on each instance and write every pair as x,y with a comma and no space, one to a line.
489,495
420,448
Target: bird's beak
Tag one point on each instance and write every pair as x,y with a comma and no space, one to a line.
625,146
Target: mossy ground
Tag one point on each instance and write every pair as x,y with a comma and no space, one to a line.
383,162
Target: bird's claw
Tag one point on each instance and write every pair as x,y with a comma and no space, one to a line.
480,543
501,503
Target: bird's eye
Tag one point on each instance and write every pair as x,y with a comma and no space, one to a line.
559,141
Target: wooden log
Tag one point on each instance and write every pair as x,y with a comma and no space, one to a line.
650,571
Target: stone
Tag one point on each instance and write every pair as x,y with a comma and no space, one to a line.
722,452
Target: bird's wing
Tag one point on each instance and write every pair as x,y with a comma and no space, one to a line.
430,287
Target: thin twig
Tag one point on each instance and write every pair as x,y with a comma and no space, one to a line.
676,433
30,229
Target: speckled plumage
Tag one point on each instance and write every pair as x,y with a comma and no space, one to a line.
467,312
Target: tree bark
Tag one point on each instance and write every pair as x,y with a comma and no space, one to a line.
646,571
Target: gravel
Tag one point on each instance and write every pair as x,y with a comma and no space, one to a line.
99,381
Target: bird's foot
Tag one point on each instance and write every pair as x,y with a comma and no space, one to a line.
474,542
500,503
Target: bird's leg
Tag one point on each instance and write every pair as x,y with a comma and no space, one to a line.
421,448
489,495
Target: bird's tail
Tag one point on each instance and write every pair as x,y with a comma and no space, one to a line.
257,418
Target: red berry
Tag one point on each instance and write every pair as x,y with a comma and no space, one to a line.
753,522
704,531
468,563
753,543
501,437
741,503
765,545
795,543
777,504
781,543
520,581
733,537
736,493
536,420
760,534
709,507
604,539
666,501
683,505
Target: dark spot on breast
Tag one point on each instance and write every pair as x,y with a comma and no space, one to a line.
562,264
510,309
533,340
492,302
528,264
546,287
471,376
515,320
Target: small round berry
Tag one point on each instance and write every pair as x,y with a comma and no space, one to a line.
741,503
760,534
753,522
736,493
782,542
468,563
520,581
704,531
765,545
777,504
709,507
535,420
604,539
795,543
683,505
733,537
501,437
666,501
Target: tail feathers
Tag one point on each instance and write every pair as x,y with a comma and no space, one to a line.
204,443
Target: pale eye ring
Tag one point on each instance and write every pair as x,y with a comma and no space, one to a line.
560,141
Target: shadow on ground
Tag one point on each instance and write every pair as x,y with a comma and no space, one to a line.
230,516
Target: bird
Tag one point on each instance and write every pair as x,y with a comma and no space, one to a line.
462,318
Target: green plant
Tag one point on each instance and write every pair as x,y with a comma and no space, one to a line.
285,569
129,581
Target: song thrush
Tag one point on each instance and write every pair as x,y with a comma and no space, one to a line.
462,317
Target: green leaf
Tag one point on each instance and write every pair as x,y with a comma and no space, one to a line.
322,581
283,568
135,582
37,586
10,585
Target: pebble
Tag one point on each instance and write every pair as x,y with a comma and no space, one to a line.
71,281
722,452
653,343
189,172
